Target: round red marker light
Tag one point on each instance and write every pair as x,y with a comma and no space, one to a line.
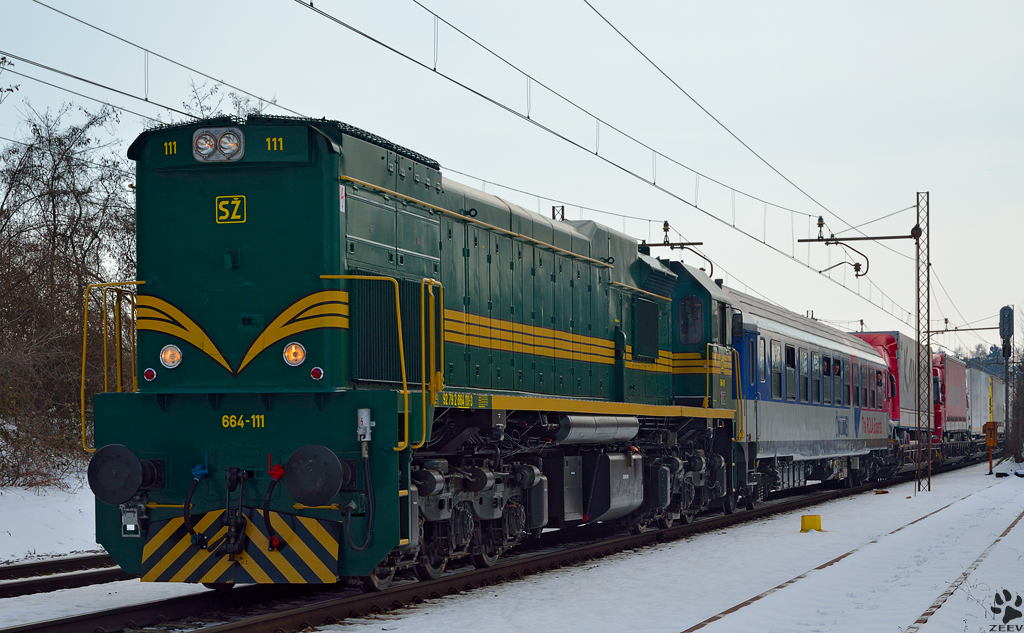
316,373
149,374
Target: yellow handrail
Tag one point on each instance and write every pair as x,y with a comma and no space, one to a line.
404,442
436,378
85,340
707,375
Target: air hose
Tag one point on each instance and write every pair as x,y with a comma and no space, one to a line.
275,472
369,507
198,473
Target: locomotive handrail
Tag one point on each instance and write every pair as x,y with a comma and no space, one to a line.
85,344
404,442
643,292
436,378
474,221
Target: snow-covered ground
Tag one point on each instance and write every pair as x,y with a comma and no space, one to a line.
898,553
46,522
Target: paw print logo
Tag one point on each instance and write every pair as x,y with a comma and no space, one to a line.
1002,606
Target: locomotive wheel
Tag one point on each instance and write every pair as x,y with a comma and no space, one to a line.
729,504
685,518
640,527
378,580
426,569
665,522
484,559
749,502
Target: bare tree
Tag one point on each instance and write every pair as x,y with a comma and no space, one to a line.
66,221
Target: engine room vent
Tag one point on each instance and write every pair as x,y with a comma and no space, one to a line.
654,276
375,353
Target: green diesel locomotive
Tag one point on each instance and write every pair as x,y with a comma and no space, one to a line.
347,366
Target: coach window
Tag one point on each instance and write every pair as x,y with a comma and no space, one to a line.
855,375
837,377
826,379
691,320
871,387
864,385
880,388
776,361
816,377
790,372
761,362
875,376
803,375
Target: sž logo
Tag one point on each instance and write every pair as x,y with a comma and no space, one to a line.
1002,605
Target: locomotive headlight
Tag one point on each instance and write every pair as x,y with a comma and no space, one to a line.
170,356
294,354
229,143
205,144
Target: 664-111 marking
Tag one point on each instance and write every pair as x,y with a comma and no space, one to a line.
241,421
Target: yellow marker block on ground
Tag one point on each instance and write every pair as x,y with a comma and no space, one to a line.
810,522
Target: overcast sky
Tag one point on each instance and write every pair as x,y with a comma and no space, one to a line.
860,104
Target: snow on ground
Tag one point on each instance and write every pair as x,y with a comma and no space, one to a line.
894,574
902,552
40,523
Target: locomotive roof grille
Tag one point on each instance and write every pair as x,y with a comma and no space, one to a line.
344,128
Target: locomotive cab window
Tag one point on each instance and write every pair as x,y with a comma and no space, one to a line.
645,329
826,379
691,320
790,372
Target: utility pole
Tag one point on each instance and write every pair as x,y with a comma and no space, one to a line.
924,347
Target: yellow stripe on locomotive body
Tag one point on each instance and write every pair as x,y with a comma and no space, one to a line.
308,552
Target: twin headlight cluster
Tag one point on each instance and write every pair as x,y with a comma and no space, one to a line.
218,144
294,354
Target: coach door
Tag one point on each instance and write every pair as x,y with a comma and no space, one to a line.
751,381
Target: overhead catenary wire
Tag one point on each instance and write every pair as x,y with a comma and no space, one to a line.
126,172
570,141
79,94
274,104
752,151
600,121
167,59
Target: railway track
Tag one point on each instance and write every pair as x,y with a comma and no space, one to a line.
60,573
276,609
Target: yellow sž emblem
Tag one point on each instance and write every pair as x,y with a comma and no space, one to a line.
230,209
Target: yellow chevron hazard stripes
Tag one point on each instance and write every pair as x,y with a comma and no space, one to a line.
308,554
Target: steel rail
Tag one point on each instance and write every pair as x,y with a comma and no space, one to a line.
54,566
66,580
